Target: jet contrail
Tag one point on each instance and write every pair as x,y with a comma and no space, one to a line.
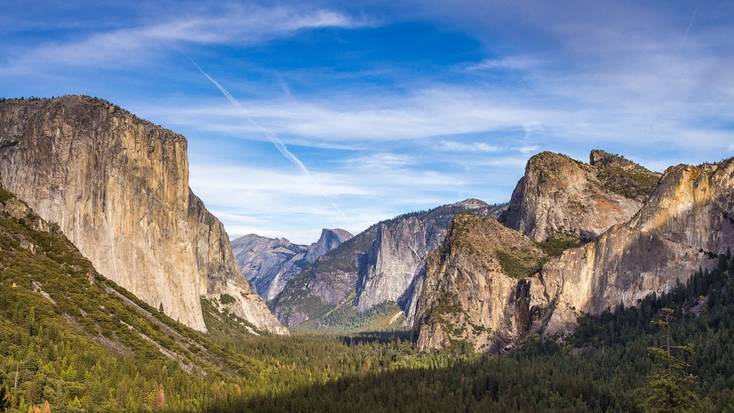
279,145
274,139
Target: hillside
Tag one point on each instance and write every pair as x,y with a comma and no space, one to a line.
118,187
614,362
682,225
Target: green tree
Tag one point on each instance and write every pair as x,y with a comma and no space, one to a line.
670,388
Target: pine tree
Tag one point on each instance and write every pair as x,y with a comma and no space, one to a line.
669,388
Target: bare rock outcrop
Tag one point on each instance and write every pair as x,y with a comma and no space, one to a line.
383,264
329,240
478,287
269,263
686,221
118,188
560,197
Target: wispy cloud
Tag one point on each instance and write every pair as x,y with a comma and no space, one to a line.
506,63
419,114
454,146
237,25
275,202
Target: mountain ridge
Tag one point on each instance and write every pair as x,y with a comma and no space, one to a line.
269,263
684,222
376,267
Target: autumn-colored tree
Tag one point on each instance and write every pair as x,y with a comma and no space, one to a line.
160,398
41,408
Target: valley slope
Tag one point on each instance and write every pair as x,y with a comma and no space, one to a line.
118,188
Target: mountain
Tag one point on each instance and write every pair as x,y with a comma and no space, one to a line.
560,198
684,223
329,240
71,336
269,263
476,286
118,188
371,279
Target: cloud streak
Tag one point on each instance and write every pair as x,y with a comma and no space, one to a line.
272,137
240,25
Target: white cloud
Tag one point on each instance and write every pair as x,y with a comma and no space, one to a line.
455,146
507,63
241,25
421,113
285,203
380,161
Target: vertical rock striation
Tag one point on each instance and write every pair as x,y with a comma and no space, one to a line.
686,221
383,264
118,188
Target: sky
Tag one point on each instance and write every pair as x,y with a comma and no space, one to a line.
304,115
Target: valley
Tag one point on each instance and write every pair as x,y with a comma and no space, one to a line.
120,291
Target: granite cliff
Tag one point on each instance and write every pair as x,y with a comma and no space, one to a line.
560,197
476,286
269,263
118,188
377,273
471,297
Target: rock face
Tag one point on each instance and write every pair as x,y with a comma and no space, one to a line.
560,197
118,188
329,240
685,221
269,263
383,264
477,286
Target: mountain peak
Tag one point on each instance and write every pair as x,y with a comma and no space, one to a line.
472,203
329,240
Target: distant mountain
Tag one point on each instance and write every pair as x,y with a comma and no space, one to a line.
329,240
118,188
371,279
490,286
269,263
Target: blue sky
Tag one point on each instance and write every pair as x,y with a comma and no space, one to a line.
343,115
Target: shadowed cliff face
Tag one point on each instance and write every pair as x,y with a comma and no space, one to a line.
686,220
560,197
118,188
383,264
269,263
